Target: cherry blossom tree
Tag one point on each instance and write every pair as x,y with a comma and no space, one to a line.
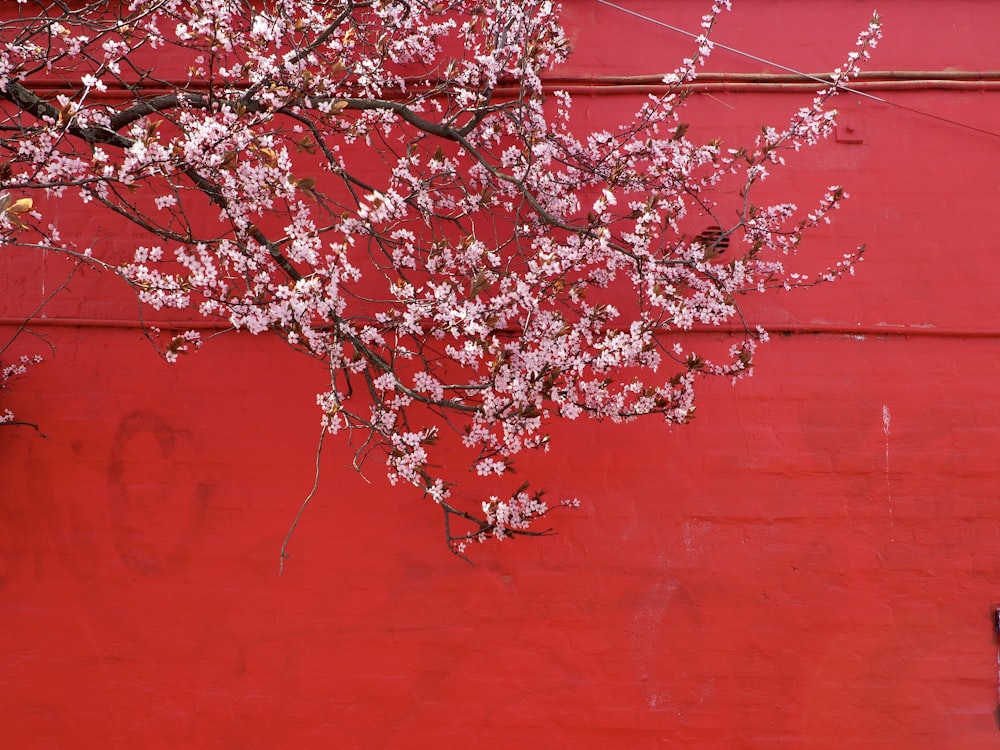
392,188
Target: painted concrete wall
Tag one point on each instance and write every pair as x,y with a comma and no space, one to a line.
811,564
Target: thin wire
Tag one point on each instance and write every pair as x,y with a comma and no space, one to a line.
808,76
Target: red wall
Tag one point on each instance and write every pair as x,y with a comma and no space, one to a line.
811,564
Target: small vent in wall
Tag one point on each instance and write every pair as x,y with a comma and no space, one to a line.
713,240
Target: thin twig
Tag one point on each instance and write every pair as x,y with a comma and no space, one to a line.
32,425
302,508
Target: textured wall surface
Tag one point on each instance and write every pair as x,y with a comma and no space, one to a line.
812,563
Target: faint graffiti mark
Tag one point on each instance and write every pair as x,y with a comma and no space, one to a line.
11,543
647,626
19,528
153,528
886,420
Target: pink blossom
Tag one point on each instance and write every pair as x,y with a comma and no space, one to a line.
350,179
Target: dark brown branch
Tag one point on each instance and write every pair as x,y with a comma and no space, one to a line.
160,103
34,105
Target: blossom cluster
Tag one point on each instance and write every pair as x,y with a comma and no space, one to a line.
394,189
11,372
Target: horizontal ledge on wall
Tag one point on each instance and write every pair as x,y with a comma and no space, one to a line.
877,330
649,83
54,322
775,329
878,80
862,77
775,87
